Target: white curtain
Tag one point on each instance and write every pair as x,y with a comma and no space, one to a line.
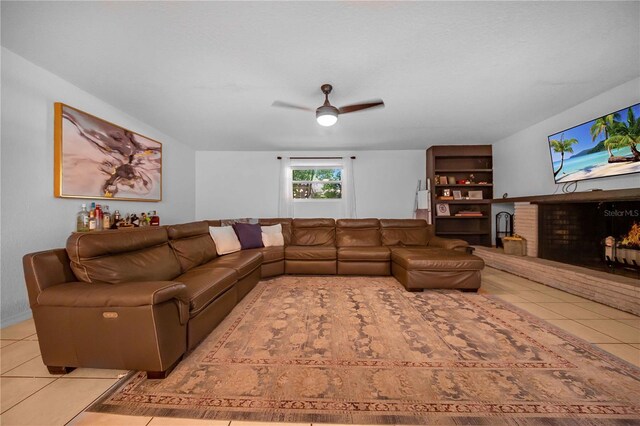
285,206
349,210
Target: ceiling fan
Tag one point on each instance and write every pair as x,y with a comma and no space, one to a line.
327,114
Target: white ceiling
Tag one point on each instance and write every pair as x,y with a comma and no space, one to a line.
206,73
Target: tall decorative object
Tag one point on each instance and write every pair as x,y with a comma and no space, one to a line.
100,160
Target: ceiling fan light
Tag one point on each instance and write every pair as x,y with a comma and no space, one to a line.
327,116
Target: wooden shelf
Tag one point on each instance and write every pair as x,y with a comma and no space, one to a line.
463,233
460,161
441,185
462,217
464,170
464,201
632,194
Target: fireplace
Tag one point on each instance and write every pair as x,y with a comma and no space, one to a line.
597,235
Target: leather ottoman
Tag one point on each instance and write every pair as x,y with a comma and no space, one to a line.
436,268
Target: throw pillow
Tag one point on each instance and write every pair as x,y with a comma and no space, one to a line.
249,235
272,235
225,239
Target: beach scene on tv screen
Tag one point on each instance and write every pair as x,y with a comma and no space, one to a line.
605,146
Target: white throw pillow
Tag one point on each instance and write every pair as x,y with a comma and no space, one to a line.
225,238
272,235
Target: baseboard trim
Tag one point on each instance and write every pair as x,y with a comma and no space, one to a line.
14,319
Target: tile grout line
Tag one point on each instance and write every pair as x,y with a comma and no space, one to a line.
19,365
30,395
83,409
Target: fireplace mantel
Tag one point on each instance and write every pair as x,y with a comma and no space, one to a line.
632,194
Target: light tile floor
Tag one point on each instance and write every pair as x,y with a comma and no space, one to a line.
29,395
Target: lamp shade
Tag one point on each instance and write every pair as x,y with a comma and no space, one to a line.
327,115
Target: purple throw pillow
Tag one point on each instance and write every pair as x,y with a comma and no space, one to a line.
249,234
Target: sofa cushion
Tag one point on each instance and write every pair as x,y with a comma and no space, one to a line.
122,256
404,232
249,234
192,244
272,240
270,254
285,223
313,232
205,285
358,233
244,262
436,259
225,239
310,253
272,235
364,254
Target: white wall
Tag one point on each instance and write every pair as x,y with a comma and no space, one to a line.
522,164
232,184
32,219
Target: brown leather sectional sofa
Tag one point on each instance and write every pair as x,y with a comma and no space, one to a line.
140,299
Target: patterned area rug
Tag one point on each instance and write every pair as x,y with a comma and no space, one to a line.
364,350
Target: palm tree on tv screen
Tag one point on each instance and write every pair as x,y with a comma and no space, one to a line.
625,134
561,146
602,126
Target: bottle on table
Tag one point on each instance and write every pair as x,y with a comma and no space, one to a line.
155,219
106,218
82,220
99,217
92,220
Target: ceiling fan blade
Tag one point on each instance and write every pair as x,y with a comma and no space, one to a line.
357,107
288,105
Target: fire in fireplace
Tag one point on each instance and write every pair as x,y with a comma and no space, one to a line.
625,250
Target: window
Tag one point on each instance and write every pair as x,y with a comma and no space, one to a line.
315,183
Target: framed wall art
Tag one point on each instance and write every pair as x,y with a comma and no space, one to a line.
100,160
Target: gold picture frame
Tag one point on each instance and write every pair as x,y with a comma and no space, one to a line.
96,159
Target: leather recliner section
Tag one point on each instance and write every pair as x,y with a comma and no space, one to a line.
192,244
313,248
123,256
360,250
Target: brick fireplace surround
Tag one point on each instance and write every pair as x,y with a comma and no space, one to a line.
613,289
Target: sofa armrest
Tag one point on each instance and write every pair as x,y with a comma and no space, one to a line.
448,243
131,294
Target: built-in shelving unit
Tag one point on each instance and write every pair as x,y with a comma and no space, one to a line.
471,168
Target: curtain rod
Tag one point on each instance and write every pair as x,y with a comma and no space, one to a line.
317,158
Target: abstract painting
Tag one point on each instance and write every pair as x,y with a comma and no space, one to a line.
100,160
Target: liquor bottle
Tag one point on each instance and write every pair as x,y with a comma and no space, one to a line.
98,217
117,219
155,219
93,209
92,220
106,218
82,220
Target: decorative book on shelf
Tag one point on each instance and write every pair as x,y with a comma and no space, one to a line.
471,213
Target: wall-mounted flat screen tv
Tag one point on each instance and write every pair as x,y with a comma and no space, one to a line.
603,147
